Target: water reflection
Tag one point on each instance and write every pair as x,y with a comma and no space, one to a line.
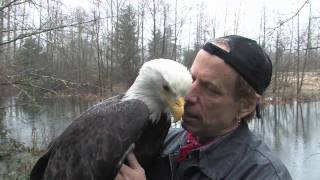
37,127
292,131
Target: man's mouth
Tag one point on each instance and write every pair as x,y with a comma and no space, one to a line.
188,115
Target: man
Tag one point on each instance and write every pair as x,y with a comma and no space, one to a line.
229,77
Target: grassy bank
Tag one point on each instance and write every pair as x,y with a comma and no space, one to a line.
16,160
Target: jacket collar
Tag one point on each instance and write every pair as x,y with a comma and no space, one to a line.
218,158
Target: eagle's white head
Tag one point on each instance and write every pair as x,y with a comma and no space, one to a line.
162,85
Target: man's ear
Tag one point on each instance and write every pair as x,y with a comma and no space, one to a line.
247,106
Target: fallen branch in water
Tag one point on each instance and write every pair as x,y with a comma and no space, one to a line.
13,105
21,90
315,154
66,83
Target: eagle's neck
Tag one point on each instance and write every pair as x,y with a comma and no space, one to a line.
150,95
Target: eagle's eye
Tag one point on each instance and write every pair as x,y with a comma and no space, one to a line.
166,88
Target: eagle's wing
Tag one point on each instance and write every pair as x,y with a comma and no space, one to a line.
148,147
92,145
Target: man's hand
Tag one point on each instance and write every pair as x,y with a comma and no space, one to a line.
132,172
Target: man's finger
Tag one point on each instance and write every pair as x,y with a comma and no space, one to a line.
133,162
133,171
125,155
125,169
119,177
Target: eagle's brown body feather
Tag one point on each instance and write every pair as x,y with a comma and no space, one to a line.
92,145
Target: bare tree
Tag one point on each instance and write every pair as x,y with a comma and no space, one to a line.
175,30
236,19
165,12
154,30
96,31
298,58
1,32
8,27
307,51
142,31
276,62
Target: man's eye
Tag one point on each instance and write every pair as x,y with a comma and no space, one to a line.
193,78
211,90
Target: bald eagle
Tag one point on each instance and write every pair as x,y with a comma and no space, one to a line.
95,144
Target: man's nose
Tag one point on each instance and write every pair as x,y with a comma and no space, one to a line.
191,97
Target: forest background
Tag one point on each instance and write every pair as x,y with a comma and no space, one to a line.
95,48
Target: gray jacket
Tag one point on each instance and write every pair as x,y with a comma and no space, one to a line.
239,155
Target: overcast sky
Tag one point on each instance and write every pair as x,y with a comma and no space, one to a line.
249,11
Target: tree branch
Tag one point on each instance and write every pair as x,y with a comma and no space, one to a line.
12,3
22,36
13,105
20,89
63,81
315,154
288,19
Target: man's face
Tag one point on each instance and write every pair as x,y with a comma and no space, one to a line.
210,108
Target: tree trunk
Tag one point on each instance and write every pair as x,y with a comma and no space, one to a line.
277,57
163,49
8,31
1,34
307,54
96,28
14,30
111,45
142,33
154,29
175,32
298,58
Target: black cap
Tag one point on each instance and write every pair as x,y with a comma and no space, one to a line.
247,58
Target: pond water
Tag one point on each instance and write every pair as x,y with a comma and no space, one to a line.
36,127
292,131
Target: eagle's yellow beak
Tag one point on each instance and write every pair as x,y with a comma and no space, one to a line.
176,107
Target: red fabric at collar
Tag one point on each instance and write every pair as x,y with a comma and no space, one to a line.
192,143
